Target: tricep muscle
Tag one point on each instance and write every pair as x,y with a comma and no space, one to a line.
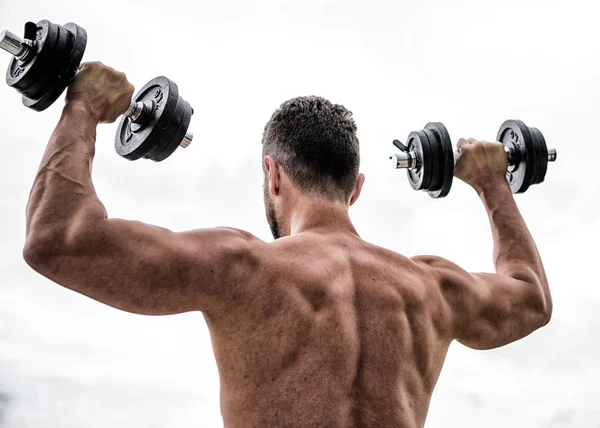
487,310
150,270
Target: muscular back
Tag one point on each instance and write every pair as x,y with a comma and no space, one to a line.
330,331
313,329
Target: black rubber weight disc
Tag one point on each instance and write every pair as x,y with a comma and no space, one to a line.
134,142
534,162
542,162
168,131
29,77
419,178
179,133
67,67
515,135
51,67
60,54
443,139
437,162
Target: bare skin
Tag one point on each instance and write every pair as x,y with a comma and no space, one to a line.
316,329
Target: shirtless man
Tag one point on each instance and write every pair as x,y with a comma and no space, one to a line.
317,328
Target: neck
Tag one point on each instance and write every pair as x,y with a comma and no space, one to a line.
314,214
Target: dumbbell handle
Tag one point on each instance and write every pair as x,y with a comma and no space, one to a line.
134,111
408,160
509,153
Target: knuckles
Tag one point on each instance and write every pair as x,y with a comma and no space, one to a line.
96,77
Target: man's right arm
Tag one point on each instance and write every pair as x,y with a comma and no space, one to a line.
492,310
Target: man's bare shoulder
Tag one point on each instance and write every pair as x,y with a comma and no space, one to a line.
445,273
225,242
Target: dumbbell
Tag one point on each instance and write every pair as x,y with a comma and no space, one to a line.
429,159
45,62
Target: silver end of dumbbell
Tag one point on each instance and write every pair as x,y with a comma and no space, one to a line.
187,140
11,43
552,155
19,48
404,160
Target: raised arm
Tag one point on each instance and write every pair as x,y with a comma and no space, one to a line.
128,265
492,310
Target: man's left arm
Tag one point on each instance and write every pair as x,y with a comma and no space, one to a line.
125,264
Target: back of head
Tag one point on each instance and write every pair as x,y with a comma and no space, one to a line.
315,142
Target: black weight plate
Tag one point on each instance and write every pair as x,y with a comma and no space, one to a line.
133,142
60,55
443,138
27,78
515,135
169,129
437,161
427,162
179,134
173,131
542,161
535,162
419,178
68,66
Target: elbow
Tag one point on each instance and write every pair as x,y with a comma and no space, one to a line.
39,255
539,305
547,311
34,256
544,307
45,245
546,302
45,250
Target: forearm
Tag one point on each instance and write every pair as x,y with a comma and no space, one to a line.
63,195
515,252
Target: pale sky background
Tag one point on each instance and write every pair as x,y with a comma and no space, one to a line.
67,361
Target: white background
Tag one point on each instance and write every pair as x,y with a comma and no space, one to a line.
67,361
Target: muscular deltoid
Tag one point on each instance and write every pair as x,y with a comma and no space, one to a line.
316,329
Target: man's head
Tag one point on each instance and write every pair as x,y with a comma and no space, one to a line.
310,144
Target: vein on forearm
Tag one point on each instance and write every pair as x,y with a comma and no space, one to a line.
63,188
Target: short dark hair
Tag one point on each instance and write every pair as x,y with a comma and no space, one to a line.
315,141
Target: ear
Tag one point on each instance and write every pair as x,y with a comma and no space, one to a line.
272,172
357,188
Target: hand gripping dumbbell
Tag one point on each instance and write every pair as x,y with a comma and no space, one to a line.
429,159
45,62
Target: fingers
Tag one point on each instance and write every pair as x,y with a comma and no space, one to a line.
121,75
99,67
91,65
465,142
